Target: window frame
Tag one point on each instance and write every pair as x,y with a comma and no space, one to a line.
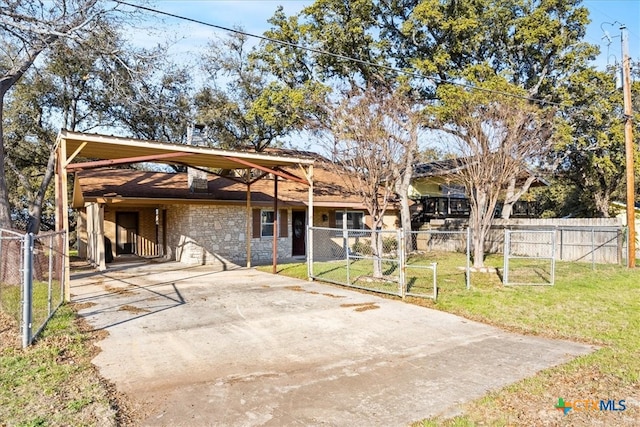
339,224
263,223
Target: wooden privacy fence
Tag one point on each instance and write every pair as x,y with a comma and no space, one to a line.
594,240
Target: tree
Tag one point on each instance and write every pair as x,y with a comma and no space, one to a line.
592,158
526,48
374,141
29,28
243,104
94,82
496,138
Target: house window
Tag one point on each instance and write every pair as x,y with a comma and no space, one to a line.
267,220
355,220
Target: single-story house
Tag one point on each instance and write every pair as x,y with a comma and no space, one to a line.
201,218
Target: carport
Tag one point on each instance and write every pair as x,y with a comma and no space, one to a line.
102,150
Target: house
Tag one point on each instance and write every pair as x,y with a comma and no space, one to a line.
439,194
199,217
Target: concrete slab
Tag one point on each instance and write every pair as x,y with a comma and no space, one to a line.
247,348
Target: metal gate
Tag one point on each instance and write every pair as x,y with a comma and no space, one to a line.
529,257
396,263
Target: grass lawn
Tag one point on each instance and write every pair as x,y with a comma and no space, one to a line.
600,306
53,383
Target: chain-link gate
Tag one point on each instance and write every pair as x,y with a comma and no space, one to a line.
364,259
31,279
529,257
391,261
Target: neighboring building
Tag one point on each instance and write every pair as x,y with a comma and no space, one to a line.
438,193
201,218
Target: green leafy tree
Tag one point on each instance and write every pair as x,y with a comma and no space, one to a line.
28,29
242,104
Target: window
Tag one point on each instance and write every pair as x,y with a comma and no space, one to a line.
355,220
267,219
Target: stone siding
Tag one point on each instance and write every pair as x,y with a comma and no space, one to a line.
216,235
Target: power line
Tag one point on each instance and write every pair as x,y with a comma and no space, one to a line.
339,56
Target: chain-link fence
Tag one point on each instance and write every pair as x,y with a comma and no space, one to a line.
365,259
31,279
529,257
391,262
446,252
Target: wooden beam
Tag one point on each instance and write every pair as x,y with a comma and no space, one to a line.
268,170
74,154
126,160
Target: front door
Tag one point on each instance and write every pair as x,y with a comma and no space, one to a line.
126,232
299,233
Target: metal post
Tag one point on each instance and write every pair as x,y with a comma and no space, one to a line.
593,249
507,248
402,248
468,257
553,258
435,281
27,289
50,284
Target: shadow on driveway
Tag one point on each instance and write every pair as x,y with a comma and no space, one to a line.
241,347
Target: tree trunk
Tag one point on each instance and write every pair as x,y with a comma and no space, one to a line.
35,207
376,248
5,207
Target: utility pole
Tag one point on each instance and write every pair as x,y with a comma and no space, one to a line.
629,149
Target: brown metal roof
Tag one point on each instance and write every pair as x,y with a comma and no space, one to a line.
95,146
129,186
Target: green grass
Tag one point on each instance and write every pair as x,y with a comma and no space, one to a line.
10,301
53,383
600,306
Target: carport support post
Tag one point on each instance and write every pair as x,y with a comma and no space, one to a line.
275,224
309,176
248,230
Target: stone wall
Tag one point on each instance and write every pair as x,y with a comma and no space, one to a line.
216,235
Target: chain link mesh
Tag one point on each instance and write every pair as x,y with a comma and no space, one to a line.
46,275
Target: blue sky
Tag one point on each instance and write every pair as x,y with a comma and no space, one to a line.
252,15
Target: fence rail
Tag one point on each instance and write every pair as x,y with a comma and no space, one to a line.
31,279
389,261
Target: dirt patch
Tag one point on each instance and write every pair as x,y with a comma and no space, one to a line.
334,296
133,309
298,288
119,291
361,306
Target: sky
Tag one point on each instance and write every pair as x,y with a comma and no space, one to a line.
252,15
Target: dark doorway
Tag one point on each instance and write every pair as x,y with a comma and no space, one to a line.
299,233
126,232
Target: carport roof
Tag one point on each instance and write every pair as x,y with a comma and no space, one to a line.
117,148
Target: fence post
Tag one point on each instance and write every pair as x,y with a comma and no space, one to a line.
593,249
27,289
506,252
402,248
50,280
468,258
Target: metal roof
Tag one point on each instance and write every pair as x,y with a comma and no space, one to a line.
96,146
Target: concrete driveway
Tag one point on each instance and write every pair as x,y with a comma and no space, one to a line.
198,347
